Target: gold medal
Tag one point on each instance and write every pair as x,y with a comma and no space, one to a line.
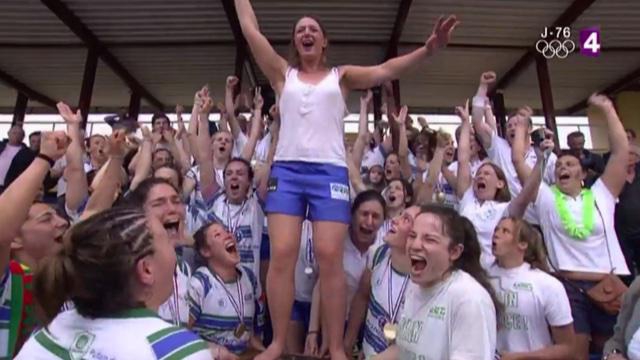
440,197
390,332
239,331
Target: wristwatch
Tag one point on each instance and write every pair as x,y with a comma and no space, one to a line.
614,351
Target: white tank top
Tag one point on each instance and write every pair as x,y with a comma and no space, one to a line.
312,120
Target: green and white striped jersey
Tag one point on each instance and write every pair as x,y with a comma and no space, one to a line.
136,334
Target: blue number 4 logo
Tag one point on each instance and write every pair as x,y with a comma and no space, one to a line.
590,42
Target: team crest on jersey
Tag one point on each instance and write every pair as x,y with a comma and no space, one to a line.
81,344
438,312
221,303
339,191
523,286
248,297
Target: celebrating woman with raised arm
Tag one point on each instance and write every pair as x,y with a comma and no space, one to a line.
578,229
310,168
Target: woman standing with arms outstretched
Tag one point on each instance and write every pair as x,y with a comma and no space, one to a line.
310,162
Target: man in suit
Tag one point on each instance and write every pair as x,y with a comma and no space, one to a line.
591,161
15,156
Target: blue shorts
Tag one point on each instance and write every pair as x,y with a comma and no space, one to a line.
588,318
301,312
322,189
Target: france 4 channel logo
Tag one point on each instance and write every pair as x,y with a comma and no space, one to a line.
556,42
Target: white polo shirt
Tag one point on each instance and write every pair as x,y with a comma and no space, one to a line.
599,251
484,217
454,320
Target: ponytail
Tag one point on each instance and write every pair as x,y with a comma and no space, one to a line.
52,284
469,262
535,254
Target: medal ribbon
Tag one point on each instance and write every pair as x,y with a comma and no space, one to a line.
174,308
233,221
393,310
239,305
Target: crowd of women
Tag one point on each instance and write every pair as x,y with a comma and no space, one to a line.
270,236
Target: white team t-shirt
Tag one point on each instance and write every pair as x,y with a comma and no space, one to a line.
138,334
454,320
354,262
533,301
194,174
484,217
442,185
592,253
385,300
178,299
372,157
633,350
262,147
500,154
475,165
214,306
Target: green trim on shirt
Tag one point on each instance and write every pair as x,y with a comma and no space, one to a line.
187,350
134,314
44,339
162,334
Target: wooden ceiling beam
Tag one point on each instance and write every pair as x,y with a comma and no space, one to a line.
92,42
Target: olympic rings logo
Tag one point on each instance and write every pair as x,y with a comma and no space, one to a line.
555,48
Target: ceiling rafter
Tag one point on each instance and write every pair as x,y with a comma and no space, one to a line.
394,42
26,90
92,42
243,59
621,84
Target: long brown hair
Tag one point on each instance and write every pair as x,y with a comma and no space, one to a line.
95,266
535,254
502,195
294,57
462,232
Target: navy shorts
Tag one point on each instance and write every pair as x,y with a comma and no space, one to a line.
301,312
323,189
588,318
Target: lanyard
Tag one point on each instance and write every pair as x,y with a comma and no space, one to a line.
238,306
393,310
309,256
233,221
174,307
